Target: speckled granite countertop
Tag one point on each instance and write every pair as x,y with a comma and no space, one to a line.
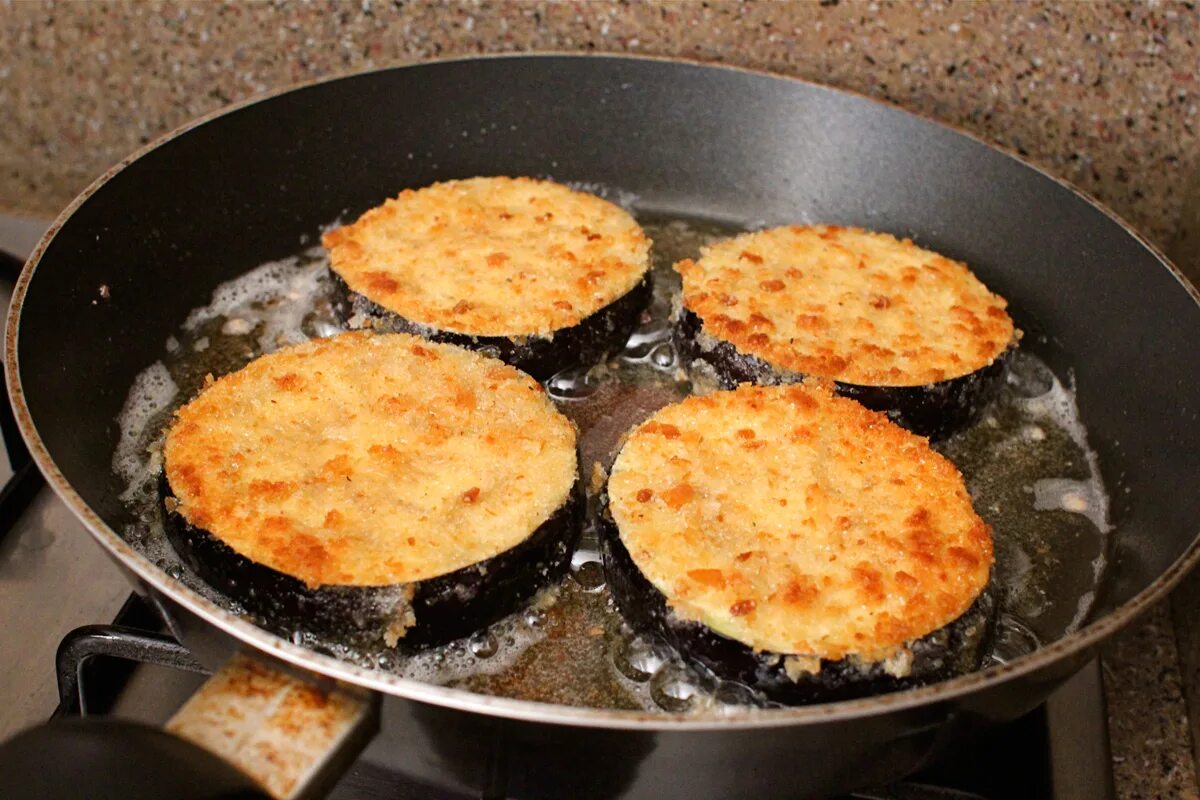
1104,95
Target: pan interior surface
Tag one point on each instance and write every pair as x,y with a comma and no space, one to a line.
1101,311
1027,463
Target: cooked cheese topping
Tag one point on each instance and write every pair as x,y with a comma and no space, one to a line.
492,256
798,522
370,460
847,304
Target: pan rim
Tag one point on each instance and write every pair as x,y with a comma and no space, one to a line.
1078,642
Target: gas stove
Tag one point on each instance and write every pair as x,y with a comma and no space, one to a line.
132,670
54,581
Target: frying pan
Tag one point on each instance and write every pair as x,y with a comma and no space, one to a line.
242,187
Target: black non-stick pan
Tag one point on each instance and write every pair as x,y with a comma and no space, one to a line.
213,200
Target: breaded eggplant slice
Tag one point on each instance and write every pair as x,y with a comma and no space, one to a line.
539,275
799,543
374,487
901,329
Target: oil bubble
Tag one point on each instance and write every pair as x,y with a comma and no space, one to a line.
483,645
672,689
590,576
573,383
638,659
663,356
731,693
1013,639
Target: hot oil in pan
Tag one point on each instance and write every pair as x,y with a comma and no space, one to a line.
1027,464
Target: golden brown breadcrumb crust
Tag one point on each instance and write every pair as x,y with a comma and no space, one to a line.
492,256
848,305
799,522
370,459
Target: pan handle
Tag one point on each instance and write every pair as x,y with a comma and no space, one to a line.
252,730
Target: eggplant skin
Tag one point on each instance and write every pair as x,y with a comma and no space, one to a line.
952,650
601,332
935,410
443,608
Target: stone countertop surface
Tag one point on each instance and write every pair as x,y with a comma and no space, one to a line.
1104,95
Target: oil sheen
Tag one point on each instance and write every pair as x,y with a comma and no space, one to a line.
1027,463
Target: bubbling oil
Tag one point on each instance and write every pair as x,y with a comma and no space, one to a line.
1027,463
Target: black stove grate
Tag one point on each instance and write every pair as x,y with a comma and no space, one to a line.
95,662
